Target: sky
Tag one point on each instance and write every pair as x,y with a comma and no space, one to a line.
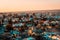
27,5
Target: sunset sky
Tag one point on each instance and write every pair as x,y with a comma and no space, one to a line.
27,5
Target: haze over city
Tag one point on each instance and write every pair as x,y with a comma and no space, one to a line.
27,5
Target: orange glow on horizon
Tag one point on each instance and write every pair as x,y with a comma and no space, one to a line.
27,5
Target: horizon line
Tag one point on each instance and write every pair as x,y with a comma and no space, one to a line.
30,10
